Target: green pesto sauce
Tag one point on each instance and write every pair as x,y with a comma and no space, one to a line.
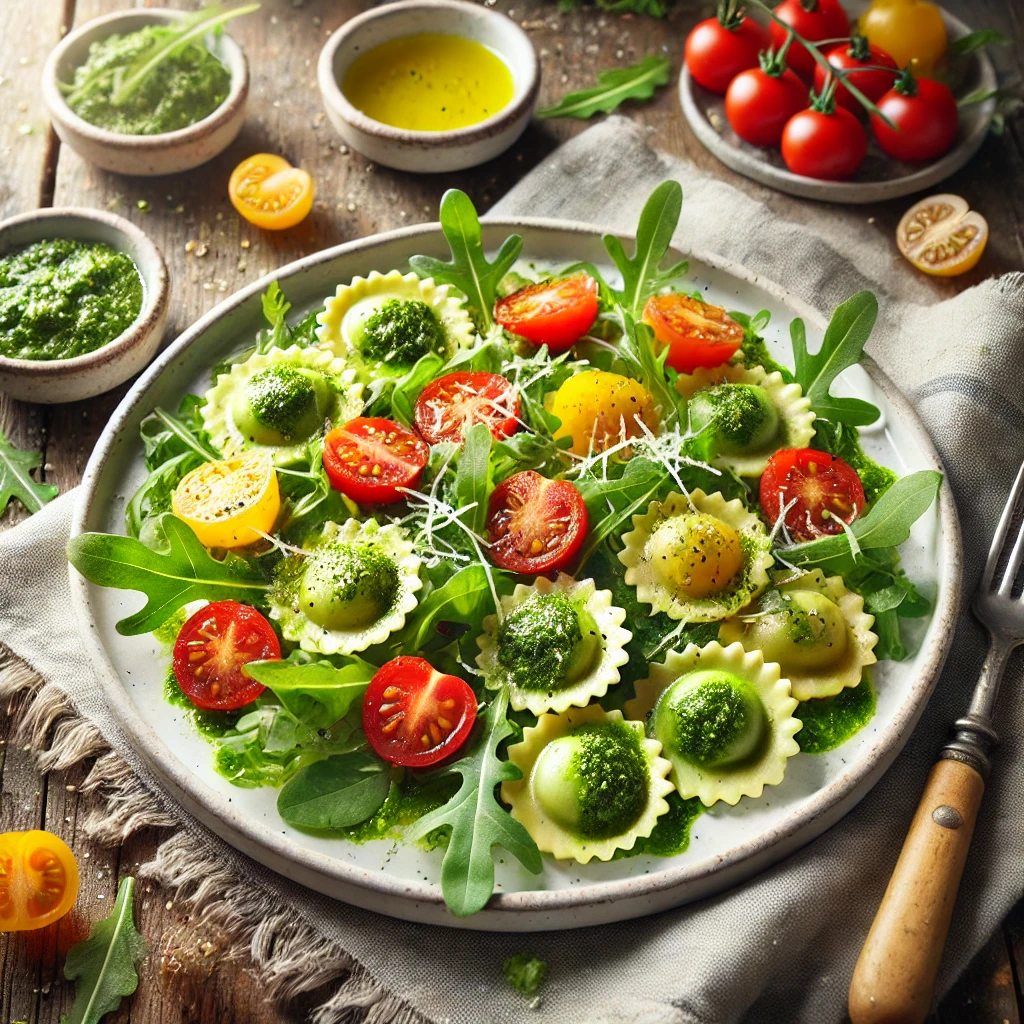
407,801
831,721
210,724
755,353
181,90
167,634
710,719
62,298
611,777
348,585
741,416
671,834
402,331
844,441
285,400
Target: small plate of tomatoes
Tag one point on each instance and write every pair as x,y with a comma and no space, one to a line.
758,114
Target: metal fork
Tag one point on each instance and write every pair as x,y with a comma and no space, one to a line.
895,975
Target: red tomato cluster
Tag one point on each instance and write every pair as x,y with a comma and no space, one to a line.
766,78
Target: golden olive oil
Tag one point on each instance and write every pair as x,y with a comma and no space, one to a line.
429,82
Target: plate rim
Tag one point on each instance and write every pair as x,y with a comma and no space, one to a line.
852,193
326,874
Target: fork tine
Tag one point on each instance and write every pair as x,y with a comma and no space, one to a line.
1001,530
1012,565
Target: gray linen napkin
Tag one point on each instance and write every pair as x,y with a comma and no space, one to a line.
781,947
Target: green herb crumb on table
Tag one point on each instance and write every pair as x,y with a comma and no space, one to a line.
525,973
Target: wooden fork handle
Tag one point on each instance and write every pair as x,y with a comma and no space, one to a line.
895,975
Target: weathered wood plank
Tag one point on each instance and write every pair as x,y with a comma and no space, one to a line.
986,993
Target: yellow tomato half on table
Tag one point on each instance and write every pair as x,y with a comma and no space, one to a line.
38,880
268,192
229,503
942,235
910,31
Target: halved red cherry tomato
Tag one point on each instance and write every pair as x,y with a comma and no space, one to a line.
552,313
926,118
829,145
38,880
369,460
759,102
696,333
814,20
449,406
535,524
858,53
825,488
718,49
415,716
212,649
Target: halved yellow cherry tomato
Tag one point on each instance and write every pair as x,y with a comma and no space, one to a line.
226,502
942,236
38,880
268,192
912,32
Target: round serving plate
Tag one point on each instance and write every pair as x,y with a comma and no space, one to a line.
727,844
879,177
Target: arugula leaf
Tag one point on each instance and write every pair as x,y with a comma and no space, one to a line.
651,8
335,793
614,86
16,478
165,434
154,496
844,341
477,821
104,963
317,693
473,478
641,277
462,598
974,41
753,349
172,39
887,524
170,579
408,387
646,361
469,269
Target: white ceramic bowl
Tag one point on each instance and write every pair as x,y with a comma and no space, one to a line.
143,155
428,152
69,380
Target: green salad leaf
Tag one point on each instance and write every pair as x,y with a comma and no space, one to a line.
170,578
974,41
646,362
104,964
473,478
477,821
16,480
614,87
469,269
641,273
337,792
842,347
461,599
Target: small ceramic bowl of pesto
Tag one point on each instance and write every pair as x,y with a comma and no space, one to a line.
429,85
83,303
126,98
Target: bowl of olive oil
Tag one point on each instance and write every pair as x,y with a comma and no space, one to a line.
429,85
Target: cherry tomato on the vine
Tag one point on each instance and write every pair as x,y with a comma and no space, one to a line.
213,648
874,83
815,20
535,524
414,715
370,460
826,145
552,313
822,489
925,114
449,406
719,48
760,101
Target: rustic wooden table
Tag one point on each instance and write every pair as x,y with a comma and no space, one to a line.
187,978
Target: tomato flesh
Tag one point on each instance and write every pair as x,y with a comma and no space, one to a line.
534,524
449,406
758,105
38,880
829,147
213,648
268,192
926,121
823,489
371,460
696,334
414,715
825,20
716,53
552,313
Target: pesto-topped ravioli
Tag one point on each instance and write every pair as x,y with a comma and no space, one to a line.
697,559
558,644
592,783
277,401
814,627
747,413
386,322
351,588
724,719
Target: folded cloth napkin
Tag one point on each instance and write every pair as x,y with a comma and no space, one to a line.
782,946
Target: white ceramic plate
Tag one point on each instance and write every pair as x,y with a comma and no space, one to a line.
879,177
727,844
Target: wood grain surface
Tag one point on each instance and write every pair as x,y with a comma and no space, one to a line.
187,977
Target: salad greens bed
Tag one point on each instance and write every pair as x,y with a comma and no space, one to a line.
677,543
